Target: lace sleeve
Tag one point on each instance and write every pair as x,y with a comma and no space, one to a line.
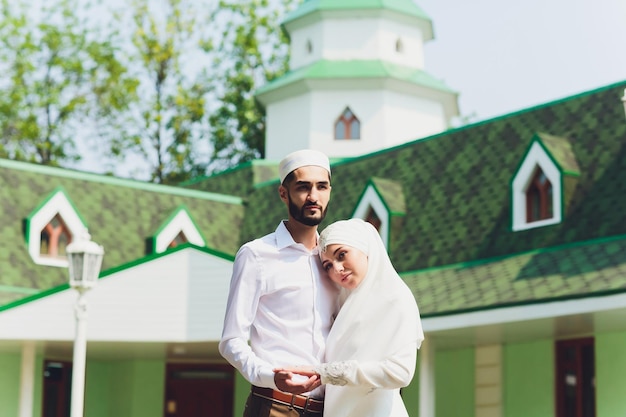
335,373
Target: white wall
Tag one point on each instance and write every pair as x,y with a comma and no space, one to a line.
388,118
409,118
177,297
288,126
357,39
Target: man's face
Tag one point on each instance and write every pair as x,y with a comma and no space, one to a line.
307,195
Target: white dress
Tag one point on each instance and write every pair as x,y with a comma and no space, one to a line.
371,349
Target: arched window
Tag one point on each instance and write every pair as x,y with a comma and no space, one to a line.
347,126
373,218
178,240
539,198
55,236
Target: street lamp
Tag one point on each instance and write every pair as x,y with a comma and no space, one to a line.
85,259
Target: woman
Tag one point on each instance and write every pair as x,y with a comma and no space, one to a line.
372,347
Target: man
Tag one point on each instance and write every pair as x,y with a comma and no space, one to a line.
279,299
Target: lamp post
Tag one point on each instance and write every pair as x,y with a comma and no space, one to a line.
85,259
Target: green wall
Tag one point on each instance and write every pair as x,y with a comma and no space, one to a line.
528,383
97,383
10,365
411,393
242,390
10,376
454,383
133,388
610,351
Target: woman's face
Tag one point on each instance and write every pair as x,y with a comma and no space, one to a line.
345,265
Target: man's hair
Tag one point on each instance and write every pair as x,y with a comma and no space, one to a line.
288,178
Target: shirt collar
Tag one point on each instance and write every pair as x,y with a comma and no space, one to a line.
284,239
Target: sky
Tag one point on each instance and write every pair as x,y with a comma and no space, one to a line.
506,55
502,56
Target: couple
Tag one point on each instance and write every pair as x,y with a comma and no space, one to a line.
289,287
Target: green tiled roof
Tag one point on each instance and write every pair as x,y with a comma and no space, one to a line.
570,271
561,151
454,244
406,7
456,187
392,195
240,180
355,69
121,215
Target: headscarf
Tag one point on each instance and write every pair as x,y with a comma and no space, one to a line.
376,319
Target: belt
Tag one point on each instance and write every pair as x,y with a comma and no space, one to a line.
296,401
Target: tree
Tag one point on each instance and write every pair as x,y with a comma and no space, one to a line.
170,119
251,49
59,77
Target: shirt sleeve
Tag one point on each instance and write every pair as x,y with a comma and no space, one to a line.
395,371
243,299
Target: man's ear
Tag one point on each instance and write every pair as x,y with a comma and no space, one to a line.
282,192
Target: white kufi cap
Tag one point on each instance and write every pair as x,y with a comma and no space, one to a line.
302,158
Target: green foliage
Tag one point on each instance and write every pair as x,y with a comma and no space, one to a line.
251,49
168,85
171,116
59,76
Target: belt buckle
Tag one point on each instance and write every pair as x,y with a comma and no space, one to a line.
293,400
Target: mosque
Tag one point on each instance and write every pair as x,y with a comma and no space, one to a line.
510,232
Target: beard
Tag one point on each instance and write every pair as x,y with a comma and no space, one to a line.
298,213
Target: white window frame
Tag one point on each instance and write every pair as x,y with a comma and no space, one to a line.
536,156
180,222
371,199
59,205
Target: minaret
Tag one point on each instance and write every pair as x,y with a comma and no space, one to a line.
356,82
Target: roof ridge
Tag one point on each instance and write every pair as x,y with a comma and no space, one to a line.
484,261
124,182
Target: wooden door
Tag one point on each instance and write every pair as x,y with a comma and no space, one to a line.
57,385
199,390
575,378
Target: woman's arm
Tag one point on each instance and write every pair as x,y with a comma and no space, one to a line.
395,371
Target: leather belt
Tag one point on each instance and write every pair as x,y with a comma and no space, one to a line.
301,402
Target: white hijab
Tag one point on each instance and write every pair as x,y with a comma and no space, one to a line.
378,316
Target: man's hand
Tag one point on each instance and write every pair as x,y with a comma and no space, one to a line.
285,381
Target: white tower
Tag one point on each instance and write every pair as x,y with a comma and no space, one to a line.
356,82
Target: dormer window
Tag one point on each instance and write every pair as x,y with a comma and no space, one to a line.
539,190
347,126
50,227
177,229
178,240
373,218
55,237
382,204
539,204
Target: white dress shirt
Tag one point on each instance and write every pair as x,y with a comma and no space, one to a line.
282,303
